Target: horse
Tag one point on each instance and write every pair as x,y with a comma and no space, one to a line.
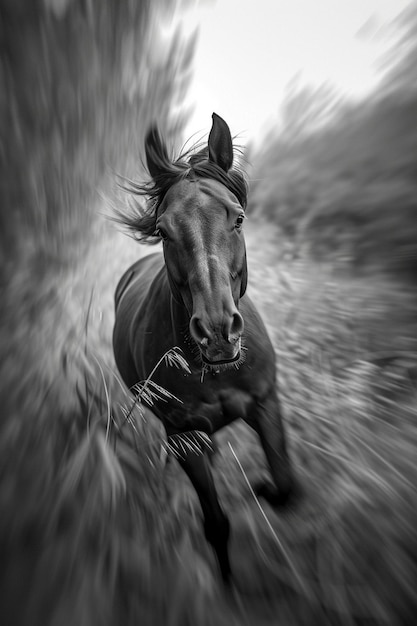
193,296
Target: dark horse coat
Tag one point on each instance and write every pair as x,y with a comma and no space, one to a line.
193,297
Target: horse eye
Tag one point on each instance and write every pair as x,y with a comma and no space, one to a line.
239,222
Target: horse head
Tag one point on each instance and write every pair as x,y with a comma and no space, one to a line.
199,218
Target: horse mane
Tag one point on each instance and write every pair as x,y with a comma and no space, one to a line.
140,220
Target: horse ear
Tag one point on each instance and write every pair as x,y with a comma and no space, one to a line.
220,144
157,158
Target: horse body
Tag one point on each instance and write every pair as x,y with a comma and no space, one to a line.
194,297
149,322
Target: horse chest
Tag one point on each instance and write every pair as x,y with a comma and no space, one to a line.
206,406
225,406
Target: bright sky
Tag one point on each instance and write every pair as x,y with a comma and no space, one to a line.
248,51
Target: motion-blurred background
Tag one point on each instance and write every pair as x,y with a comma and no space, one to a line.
95,527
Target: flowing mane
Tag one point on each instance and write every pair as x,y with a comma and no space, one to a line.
141,221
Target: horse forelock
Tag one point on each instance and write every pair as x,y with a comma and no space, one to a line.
190,165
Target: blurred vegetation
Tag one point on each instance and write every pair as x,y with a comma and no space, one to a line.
339,178
81,82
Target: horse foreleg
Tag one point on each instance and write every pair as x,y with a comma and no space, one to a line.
267,421
216,524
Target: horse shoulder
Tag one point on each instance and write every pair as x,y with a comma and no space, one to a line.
132,298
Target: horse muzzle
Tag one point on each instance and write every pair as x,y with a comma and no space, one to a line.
224,353
218,336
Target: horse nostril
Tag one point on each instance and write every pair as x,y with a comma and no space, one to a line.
198,330
236,328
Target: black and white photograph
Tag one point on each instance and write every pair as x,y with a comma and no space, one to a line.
208,313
